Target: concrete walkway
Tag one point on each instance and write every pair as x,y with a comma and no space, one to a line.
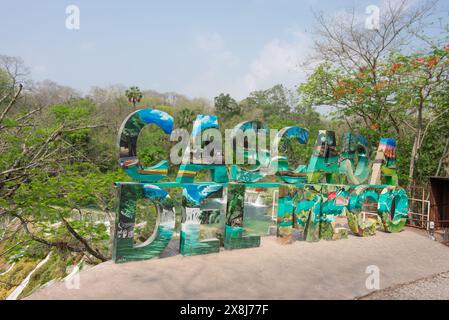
322,270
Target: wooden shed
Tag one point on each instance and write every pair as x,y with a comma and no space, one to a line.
439,201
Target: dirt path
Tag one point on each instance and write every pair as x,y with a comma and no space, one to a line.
322,270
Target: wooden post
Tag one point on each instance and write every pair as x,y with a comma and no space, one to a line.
422,208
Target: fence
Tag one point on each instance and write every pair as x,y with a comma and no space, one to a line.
418,207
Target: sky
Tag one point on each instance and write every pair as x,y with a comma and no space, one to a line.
197,48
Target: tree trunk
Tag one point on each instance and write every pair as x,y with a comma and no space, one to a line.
416,145
411,172
443,156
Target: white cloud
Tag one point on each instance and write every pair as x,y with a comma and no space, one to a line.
214,48
218,63
278,61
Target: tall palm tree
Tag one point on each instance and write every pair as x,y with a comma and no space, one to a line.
185,119
134,95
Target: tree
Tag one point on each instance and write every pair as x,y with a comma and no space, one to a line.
345,41
185,119
347,47
48,93
58,165
134,95
225,106
14,72
421,92
274,101
39,145
375,88
413,92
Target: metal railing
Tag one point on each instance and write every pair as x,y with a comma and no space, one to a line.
418,213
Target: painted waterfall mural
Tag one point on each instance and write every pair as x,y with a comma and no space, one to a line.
333,195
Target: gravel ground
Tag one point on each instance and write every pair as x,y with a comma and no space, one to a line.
435,287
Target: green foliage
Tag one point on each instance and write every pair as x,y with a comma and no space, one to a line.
402,96
185,119
153,145
73,111
226,107
13,278
54,269
5,84
134,95
274,101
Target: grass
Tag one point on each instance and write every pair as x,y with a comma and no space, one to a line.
54,268
13,278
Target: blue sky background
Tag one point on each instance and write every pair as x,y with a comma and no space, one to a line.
196,47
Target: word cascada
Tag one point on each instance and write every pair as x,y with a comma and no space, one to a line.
327,198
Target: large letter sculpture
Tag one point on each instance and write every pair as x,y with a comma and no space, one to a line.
328,198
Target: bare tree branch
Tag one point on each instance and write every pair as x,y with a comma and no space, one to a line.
11,103
96,253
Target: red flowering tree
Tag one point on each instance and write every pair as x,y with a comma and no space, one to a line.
406,99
